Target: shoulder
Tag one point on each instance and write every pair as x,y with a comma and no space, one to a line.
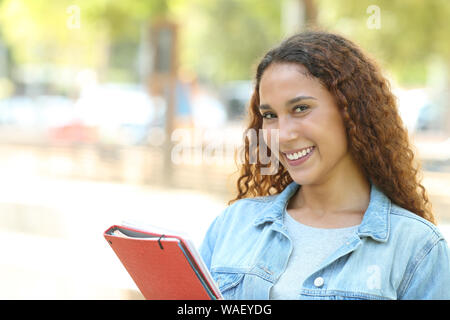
413,236
237,222
424,248
243,211
247,209
407,222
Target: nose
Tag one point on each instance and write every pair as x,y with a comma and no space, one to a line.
287,131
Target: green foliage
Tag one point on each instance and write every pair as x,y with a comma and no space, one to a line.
219,40
222,39
410,34
37,30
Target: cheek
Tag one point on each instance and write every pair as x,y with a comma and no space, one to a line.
331,139
270,136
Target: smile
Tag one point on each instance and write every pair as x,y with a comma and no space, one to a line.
299,154
298,157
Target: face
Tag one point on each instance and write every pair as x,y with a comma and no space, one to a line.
312,136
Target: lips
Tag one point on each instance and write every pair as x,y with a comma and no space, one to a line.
299,156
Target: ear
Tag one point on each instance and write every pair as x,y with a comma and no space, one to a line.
343,111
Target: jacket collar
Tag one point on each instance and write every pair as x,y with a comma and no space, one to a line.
375,223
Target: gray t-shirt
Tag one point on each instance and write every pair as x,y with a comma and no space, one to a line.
310,247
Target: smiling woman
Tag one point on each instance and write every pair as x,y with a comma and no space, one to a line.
351,85
345,216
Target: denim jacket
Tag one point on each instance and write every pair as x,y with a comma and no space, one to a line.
394,254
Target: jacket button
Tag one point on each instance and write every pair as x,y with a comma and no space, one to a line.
318,282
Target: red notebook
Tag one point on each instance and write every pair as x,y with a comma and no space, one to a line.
163,266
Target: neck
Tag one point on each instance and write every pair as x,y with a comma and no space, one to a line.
345,191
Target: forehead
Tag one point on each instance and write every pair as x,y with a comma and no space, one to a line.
286,80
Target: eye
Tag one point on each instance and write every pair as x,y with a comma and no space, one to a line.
301,107
268,115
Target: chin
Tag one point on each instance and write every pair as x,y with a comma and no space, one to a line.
302,179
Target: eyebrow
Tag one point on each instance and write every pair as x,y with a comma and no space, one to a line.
291,101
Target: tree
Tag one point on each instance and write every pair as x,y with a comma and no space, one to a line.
223,39
411,33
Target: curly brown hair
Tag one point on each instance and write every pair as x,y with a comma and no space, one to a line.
377,137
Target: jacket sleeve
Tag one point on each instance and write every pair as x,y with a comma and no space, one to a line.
430,278
209,241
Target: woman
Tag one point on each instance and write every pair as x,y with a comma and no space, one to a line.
344,216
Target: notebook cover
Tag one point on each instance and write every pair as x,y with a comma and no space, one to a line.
160,274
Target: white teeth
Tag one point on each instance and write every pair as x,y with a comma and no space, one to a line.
296,155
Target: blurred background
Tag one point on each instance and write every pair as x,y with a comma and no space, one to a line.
131,110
